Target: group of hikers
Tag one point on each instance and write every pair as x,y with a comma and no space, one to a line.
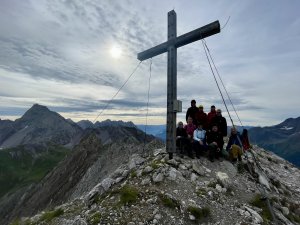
205,132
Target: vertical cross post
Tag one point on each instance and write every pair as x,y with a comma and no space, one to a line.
170,46
172,85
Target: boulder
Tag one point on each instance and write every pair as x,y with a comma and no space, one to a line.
158,177
224,179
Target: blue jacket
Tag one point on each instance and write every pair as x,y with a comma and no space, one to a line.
233,140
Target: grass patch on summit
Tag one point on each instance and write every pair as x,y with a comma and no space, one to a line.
169,202
199,213
50,215
258,201
95,218
128,195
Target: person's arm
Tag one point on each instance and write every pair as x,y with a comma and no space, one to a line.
195,136
184,133
229,144
220,142
208,141
225,127
187,115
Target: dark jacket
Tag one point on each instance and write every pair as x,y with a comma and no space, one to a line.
221,122
217,137
233,140
181,132
192,113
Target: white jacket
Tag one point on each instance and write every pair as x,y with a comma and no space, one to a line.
199,134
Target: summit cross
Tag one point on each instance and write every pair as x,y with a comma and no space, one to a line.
170,46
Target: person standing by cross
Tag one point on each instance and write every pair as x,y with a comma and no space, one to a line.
221,122
192,111
201,117
211,115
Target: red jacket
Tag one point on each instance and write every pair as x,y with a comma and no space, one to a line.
190,129
201,117
210,117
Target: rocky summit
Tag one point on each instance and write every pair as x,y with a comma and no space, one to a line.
151,189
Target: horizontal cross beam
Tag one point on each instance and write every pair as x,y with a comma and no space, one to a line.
195,35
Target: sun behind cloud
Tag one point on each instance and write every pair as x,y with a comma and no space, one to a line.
116,52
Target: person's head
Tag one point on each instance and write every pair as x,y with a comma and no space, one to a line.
190,120
193,103
245,132
214,128
219,112
200,126
233,131
180,124
200,108
213,108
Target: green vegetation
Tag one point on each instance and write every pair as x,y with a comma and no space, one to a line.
199,213
48,216
169,202
15,222
128,194
133,174
155,164
19,168
95,218
258,201
212,184
276,183
201,191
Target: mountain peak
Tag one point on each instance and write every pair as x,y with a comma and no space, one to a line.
38,107
36,110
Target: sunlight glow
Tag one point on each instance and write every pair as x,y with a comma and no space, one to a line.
116,52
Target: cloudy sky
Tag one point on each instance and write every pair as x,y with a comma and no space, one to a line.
58,53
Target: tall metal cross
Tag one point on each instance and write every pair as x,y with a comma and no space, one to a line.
170,46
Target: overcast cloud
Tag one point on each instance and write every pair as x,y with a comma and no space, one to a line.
57,53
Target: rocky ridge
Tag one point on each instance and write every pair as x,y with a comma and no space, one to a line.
155,190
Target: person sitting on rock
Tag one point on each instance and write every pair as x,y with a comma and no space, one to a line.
215,143
199,144
245,140
201,117
181,139
234,146
190,127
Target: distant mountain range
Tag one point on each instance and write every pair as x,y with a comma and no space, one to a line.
282,139
33,145
37,127
158,131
